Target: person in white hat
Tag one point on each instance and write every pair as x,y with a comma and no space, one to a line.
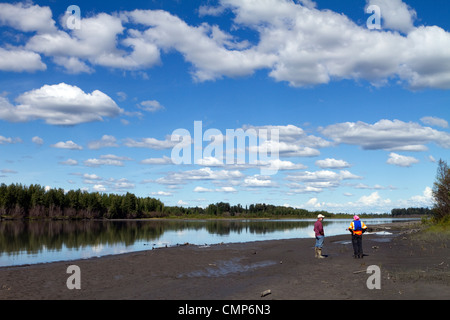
320,235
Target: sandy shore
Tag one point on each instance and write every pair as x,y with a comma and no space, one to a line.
410,268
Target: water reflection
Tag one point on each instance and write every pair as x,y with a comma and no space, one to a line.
28,242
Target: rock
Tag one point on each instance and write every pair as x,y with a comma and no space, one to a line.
265,293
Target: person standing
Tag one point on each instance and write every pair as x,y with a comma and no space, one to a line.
320,235
357,228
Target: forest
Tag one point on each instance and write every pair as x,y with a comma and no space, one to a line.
36,202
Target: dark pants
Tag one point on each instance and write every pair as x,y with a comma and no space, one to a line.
357,246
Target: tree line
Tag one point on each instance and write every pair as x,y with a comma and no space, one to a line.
18,202
34,201
401,212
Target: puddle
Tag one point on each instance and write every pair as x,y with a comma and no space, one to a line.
387,239
343,242
222,268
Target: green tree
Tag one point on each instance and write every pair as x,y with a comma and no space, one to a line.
441,192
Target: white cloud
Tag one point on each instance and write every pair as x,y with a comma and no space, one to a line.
37,140
279,165
151,106
177,178
92,176
99,188
259,181
210,162
104,142
67,145
314,46
157,161
401,161
210,11
151,143
210,50
222,189
435,121
316,181
330,163
107,160
202,189
60,104
395,14
27,17
4,140
227,189
95,42
20,60
424,200
389,135
292,141
162,193
296,42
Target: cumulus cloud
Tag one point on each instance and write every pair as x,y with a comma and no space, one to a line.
20,60
332,164
162,193
389,135
151,143
395,14
259,181
292,141
151,106
435,121
5,140
203,46
222,189
157,161
60,104
27,17
107,160
67,145
401,161
181,177
37,140
95,42
316,181
104,142
296,43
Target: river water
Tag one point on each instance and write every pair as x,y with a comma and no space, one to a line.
31,242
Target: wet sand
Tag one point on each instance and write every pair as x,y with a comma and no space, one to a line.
409,268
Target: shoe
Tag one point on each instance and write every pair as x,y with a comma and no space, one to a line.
319,253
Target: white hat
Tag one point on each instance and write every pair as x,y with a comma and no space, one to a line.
320,216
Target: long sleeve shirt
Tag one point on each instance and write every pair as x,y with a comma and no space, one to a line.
318,228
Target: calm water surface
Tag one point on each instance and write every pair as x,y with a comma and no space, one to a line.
30,242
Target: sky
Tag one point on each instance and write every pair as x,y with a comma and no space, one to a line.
139,96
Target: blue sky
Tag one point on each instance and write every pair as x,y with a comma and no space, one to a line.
362,113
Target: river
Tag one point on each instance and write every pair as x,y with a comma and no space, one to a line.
31,242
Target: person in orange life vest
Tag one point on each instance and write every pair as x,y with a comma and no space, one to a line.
357,228
320,235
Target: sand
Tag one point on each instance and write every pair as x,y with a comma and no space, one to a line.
409,268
